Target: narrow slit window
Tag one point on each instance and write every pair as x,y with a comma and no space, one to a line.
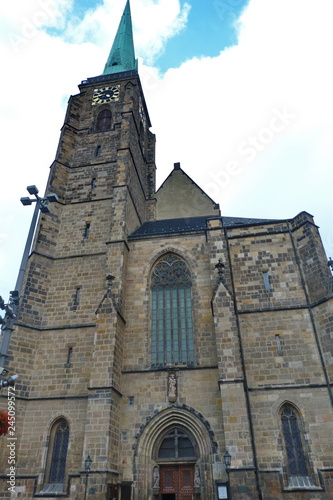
86,231
98,150
93,183
77,297
69,357
278,345
266,281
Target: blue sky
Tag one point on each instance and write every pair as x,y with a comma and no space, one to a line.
211,28
81,6
239,92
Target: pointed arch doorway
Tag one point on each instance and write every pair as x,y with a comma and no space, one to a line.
169,465
177,454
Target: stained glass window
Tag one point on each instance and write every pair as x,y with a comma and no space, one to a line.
59,453
171,323
293,443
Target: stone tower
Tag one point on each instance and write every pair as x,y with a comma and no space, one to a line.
155,334
104,177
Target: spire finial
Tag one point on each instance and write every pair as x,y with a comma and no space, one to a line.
122,56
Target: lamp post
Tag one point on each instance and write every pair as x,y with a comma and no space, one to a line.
11,308
227,463
42,205
87,464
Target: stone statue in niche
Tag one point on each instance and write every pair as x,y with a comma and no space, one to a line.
197,479
156,477
172,387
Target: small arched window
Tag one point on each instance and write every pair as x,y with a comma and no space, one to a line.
296,459
60,437
172,339
104,119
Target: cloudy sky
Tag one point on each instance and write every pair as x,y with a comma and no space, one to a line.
239,92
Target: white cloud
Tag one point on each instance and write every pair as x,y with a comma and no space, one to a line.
230,98
156,21
201,112
281,62
21,21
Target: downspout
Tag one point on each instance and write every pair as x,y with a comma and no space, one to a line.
246,388
308,303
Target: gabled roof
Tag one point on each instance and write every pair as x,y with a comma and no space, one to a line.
179,196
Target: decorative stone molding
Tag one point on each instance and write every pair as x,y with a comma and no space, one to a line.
178,414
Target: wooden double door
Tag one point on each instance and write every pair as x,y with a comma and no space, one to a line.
177,482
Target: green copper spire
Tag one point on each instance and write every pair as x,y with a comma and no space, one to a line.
122,57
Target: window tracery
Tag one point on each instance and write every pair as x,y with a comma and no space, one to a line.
59,453
297,466
171,306
176,445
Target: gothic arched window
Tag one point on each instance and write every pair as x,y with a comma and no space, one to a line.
60,437
296,462
176,445
103,121
172,340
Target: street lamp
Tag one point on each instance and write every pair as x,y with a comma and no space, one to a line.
87,464
9,382
223,487
227,463
42,205
227,460
11,308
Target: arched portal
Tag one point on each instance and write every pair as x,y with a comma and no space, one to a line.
174,456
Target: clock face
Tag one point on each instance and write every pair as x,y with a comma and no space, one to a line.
106,94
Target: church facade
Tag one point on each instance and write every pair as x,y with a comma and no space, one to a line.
156,336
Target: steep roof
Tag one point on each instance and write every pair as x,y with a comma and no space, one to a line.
122,56
179,196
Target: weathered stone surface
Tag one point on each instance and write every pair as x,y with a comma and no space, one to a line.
82,343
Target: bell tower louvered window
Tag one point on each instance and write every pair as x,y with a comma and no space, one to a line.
172,341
